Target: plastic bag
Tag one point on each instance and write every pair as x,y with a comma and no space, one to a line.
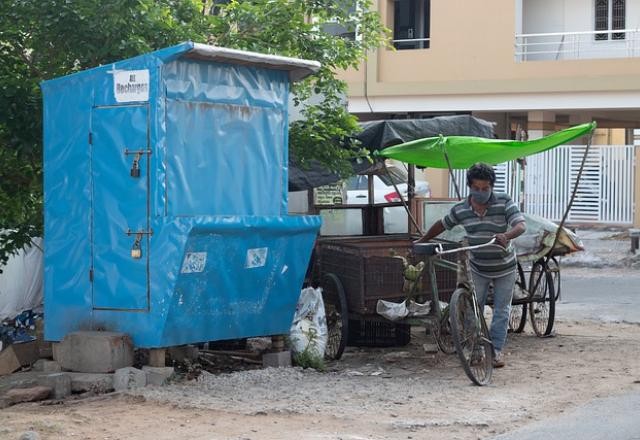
406,309
309,327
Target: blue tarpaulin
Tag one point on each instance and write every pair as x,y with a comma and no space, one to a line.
166,198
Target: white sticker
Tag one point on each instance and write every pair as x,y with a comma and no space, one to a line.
131,85
194,262
256,257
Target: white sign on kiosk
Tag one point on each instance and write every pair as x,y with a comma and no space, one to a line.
131,85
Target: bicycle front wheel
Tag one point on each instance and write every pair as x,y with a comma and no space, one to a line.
471,338
444,337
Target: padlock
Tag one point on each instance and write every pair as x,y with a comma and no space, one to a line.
135,169
136,250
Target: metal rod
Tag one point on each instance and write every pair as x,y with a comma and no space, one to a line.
573,195
404,204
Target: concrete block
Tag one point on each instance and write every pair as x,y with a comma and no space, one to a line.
46,366
60,383
33,394
94,352
128,378
15,356
184,352
157,357
99,383
277,359
157,375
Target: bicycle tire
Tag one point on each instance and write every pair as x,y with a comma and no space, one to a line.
337,316
554,268
444,337
518,314
543,299
471,338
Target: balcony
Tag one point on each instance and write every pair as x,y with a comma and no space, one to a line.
620,43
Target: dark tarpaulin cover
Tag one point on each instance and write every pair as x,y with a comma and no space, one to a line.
376,135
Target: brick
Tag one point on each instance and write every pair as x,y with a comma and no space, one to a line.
94,352
277,359
60,383
128,378
157,375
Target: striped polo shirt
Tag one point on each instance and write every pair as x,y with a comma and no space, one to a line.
501,214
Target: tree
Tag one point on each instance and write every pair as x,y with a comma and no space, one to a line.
50,38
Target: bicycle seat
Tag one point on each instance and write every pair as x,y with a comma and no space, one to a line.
430,248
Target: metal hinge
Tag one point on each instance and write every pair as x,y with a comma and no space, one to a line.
91,275
90,138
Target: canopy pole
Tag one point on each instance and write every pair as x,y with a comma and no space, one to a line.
573,193
453,178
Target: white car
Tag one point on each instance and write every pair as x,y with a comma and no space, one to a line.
349,221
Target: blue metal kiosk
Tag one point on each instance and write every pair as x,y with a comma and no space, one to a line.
166,198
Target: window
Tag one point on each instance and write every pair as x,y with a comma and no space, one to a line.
610,15
411,23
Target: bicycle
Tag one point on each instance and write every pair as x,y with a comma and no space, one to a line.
469,330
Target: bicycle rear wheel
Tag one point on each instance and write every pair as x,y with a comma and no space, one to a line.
471,338
543,299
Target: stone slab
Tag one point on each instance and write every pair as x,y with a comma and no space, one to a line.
60,383
277,359
99,383
16,356
94,352
33,394
128,378
158,375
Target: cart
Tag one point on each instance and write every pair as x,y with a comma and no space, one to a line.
356,273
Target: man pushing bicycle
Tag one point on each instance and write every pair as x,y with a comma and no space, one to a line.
485,214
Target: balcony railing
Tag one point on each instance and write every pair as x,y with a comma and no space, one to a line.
622,43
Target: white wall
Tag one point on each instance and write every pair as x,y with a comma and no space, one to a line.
541,16
548,16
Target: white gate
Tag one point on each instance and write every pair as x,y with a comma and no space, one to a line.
604,195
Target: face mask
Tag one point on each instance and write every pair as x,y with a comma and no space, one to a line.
481,197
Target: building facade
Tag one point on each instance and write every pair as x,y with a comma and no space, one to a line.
532,67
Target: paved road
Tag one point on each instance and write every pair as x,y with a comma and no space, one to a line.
611,295
614,418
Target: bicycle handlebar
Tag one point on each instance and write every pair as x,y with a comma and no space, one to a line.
439,249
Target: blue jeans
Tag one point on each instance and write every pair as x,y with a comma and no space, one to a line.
502,294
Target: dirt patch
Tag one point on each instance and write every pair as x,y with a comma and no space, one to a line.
395,393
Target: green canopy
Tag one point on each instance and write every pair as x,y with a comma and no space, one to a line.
464,151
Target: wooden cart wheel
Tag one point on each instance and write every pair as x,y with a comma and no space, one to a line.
518,315
542,305
335,307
